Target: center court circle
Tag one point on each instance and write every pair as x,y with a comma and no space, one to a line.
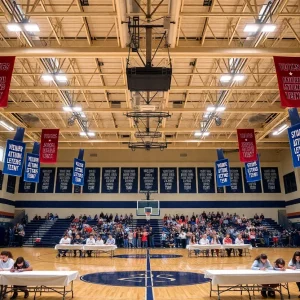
150,255
139,278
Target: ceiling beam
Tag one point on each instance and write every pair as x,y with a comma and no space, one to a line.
123,87
178,52
250,110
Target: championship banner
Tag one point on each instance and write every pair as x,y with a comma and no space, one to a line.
14,154
288,76
294,136
6,69
32,165
247,145
49,145
79,169
252,170
222,170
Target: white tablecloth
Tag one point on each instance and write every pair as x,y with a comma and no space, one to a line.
38,278
203,247
100,247
235,246
68,247
234,277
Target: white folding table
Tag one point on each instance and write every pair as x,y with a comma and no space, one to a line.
250,280
101,248
39,281
202,247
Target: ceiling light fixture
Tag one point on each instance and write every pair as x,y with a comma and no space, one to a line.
61,78
210,108
220,108
280,129
6,126
77,108
14,27
72,108
268,28
201,133
239,77
47,77
90,134
253,28
225,78
31,27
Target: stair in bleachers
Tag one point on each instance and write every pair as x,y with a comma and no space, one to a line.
157,225
50,232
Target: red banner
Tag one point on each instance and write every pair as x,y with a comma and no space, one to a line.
288,76
247,145
49,144
6,69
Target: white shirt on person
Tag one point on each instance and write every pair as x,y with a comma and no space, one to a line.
65,241
182,235
204,241
6,265
99,242
239,241
110,241
90,241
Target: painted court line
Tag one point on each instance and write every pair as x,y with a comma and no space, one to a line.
149,281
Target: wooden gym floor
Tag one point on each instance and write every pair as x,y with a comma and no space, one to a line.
45,259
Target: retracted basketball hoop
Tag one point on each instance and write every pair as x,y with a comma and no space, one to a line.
148,216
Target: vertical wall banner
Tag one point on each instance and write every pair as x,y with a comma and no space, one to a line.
6,70
251,187
252,170
1,179
236,181
14,154
79,169
148,180
222,170
129,180
32,165
270,179
91,181
49,145
77,189
247,145
110,180
288,76
294,136
64,181
168,180
11,184
206,180
46,181
187,180
26,187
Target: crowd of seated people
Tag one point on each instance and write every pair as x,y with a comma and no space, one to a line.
107,229
179,231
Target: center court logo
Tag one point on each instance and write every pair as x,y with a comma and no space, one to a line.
139,278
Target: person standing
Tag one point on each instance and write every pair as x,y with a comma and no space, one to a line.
182,237
145,239
130,239
151,238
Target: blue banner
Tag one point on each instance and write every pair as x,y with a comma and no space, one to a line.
206,180
252,170
236,182
78,172
46,181
270,179
110,180
168,180
26,187
129,180
64,180
149,180
14,158
251,187
223,172
32,168
91,181
187,180
294,139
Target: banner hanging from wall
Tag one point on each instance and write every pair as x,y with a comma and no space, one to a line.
14,154
288,76
79,169
49,145
6,70
252,170
247,145
32,165
294,136
222,170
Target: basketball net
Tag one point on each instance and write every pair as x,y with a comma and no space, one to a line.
148,216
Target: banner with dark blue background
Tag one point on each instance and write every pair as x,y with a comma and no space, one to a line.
32,168
14,158
223,172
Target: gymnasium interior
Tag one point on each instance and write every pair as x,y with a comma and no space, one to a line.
148,149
